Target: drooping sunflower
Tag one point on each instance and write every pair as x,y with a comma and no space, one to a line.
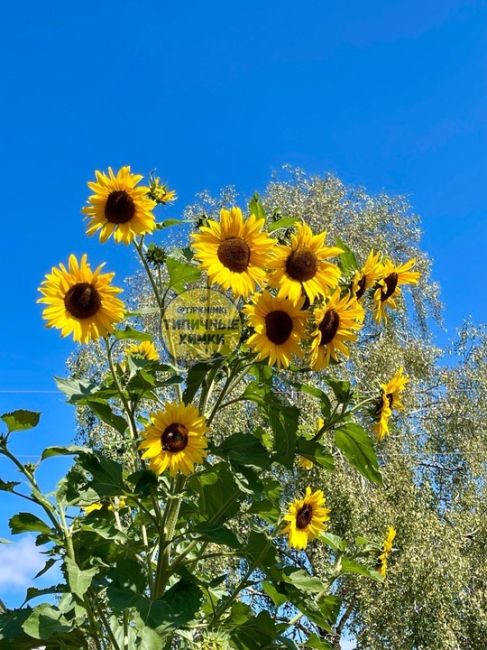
145,350
386,550
80,301
389,286
390,399
336,324
119,207
175,439
279,328
234,251
306,518
300,268
368,275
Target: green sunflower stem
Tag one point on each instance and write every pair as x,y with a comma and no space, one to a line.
166,535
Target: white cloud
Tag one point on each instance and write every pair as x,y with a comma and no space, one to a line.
19,562
347,644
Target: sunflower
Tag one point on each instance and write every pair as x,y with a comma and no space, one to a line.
145,350
389,287
160,193
390,399
300,268
118,504
336,323
306,518
279,328
386,550
81,301
234,251
118,207
368,275
175,439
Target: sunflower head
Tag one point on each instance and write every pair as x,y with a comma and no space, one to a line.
160,192
391,398
279,328
300,268
175,440
306,518
386,550
145,350
389,286
367,276
119,207
234,251
337,324
80,301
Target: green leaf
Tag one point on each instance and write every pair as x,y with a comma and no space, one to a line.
315,451
131,333
316,643
341,389
218,534
21,420
314,391
358,449
8,486
244,449
283,222
167,223
26,522
70,450
346,260
333,541
75,388
107,475
79,580
34,592
105,413
260,551
257,633
197,375
284,424
219,494
347,565
180,273
50,562
45,622
303,581
256,208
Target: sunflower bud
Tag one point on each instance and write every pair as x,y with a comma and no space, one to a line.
159,192
156,255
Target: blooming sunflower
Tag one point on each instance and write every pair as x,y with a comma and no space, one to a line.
306,518
300,268
175,439
390,286
118,207
279,328
336,323
234,251
386,550
81,301
368,275
390,399
145,350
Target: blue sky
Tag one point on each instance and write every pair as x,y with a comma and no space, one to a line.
389,95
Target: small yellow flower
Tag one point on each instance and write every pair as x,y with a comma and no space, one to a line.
390,399
336,324
98,505
145,350
306,518
175,440
368,275
301,268
386,550
279,328
160,193
390,286
305,463
234,251
115,504
80,301
119,207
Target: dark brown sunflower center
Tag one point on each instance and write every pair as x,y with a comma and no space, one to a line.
329,326
391,284
304,516
234,253
278,326
361,287
174,437
390,398
119,207
82,300
302,265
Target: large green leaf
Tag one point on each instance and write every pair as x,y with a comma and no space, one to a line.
257,633
180,273
21,420
25,522
260,551
219,495
45,622
218,534
79,580
244,449
315,451
132,334
256,207
283,222
70,450
107,475
356,445
8,486
346,260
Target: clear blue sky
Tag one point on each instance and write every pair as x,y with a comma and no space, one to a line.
390,95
